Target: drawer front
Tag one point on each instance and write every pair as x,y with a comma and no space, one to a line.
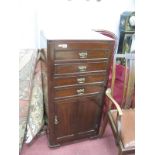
66,45
77,91
80,67
72,80
82,54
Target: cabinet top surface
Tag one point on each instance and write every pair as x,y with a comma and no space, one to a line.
74,35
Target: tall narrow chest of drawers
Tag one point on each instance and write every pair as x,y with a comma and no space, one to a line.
77,74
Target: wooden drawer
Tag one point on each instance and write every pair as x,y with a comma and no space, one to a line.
67,45
77,91
80,67
81,54
79,79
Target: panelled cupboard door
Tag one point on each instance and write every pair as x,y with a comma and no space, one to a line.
76,117
65,118
89,109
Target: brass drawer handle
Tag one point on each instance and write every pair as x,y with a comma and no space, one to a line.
80,91
56,121
83,55
82,68
81,80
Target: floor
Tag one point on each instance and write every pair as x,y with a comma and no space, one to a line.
100,146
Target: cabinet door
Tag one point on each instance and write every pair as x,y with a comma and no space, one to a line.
77,118
65,119
89,110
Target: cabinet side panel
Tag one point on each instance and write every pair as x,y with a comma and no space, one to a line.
51,107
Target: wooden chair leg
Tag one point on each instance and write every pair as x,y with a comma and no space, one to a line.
103,125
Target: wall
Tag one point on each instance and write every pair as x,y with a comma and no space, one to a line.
29,26
70,14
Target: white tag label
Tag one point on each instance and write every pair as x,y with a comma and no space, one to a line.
62,45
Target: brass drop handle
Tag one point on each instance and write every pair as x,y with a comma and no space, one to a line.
83,55
56,121
81,80
82,68
80,91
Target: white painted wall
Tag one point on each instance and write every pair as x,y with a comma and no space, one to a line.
73,14
29,32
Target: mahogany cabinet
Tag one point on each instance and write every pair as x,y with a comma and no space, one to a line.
77,74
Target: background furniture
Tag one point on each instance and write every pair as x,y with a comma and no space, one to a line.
123,121
127,31
77,73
